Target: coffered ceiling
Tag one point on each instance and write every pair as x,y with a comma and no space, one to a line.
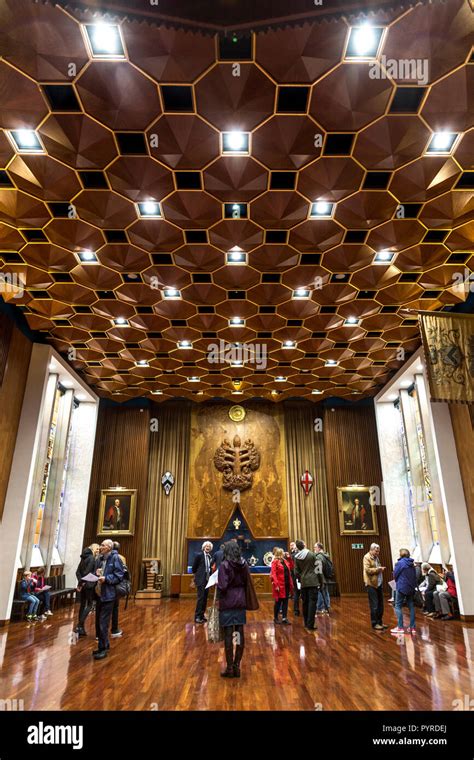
322,129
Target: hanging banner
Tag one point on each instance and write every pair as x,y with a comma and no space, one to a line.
448,341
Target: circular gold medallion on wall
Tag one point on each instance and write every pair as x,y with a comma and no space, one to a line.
237,413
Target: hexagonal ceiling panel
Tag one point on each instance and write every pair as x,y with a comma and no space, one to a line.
180,261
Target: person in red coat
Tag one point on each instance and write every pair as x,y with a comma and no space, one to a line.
282,585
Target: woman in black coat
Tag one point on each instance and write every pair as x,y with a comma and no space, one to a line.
232,582
86,589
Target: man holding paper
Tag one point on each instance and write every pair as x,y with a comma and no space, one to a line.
109,573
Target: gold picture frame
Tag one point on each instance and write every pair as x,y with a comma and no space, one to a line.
117,519
357,513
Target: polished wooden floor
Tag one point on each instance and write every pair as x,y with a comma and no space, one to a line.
164,662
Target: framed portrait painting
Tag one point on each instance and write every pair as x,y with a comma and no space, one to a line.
357,514
117,512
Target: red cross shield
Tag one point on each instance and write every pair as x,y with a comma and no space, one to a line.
306,481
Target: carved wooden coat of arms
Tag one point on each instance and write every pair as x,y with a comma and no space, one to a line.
237,463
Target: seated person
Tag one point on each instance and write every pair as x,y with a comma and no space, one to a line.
27,588
432,580
43,596
442,599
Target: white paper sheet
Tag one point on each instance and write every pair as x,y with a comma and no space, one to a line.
90,577
393,585
212,580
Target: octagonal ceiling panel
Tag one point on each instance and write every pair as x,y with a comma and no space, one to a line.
330,179
46,45
305,53
391,142
286,142
21,104
77,140
235,102
104,89
235,178
348,98
424,179
184,141
168,55
140,178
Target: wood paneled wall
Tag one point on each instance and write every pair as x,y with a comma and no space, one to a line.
120,458
352,456
462,421
15,350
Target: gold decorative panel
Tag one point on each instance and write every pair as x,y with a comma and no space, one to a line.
264,503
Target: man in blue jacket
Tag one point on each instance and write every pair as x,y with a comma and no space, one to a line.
404,574
110,571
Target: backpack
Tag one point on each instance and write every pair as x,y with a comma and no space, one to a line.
328,567
124,588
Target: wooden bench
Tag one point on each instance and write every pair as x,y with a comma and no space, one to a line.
58,592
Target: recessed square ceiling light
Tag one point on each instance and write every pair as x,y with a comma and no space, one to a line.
235,211
364,41
442,143
331,363
237,363
157,393
149,209
120,322
194,379
384,257
237,393
87,257
172,293
142,363
237,143
301,293
280,379
236,256
321,210
289,344
185,344
26,141
351,321
105,40
236,322
315,392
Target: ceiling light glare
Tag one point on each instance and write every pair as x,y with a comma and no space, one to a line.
105,40
301,293
26,141
322,209
149,209
172,293
442,142
364,41
235,142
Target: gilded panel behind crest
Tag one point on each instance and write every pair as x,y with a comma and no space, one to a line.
254,451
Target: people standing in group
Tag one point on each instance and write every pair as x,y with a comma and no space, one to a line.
282,585
296,581
373,581
311,580
86,589
27,594
42,593
443,599
116,632
404,574
232,580
202,570
324,568
110,573
431,580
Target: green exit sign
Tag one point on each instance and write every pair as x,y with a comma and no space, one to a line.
357,546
